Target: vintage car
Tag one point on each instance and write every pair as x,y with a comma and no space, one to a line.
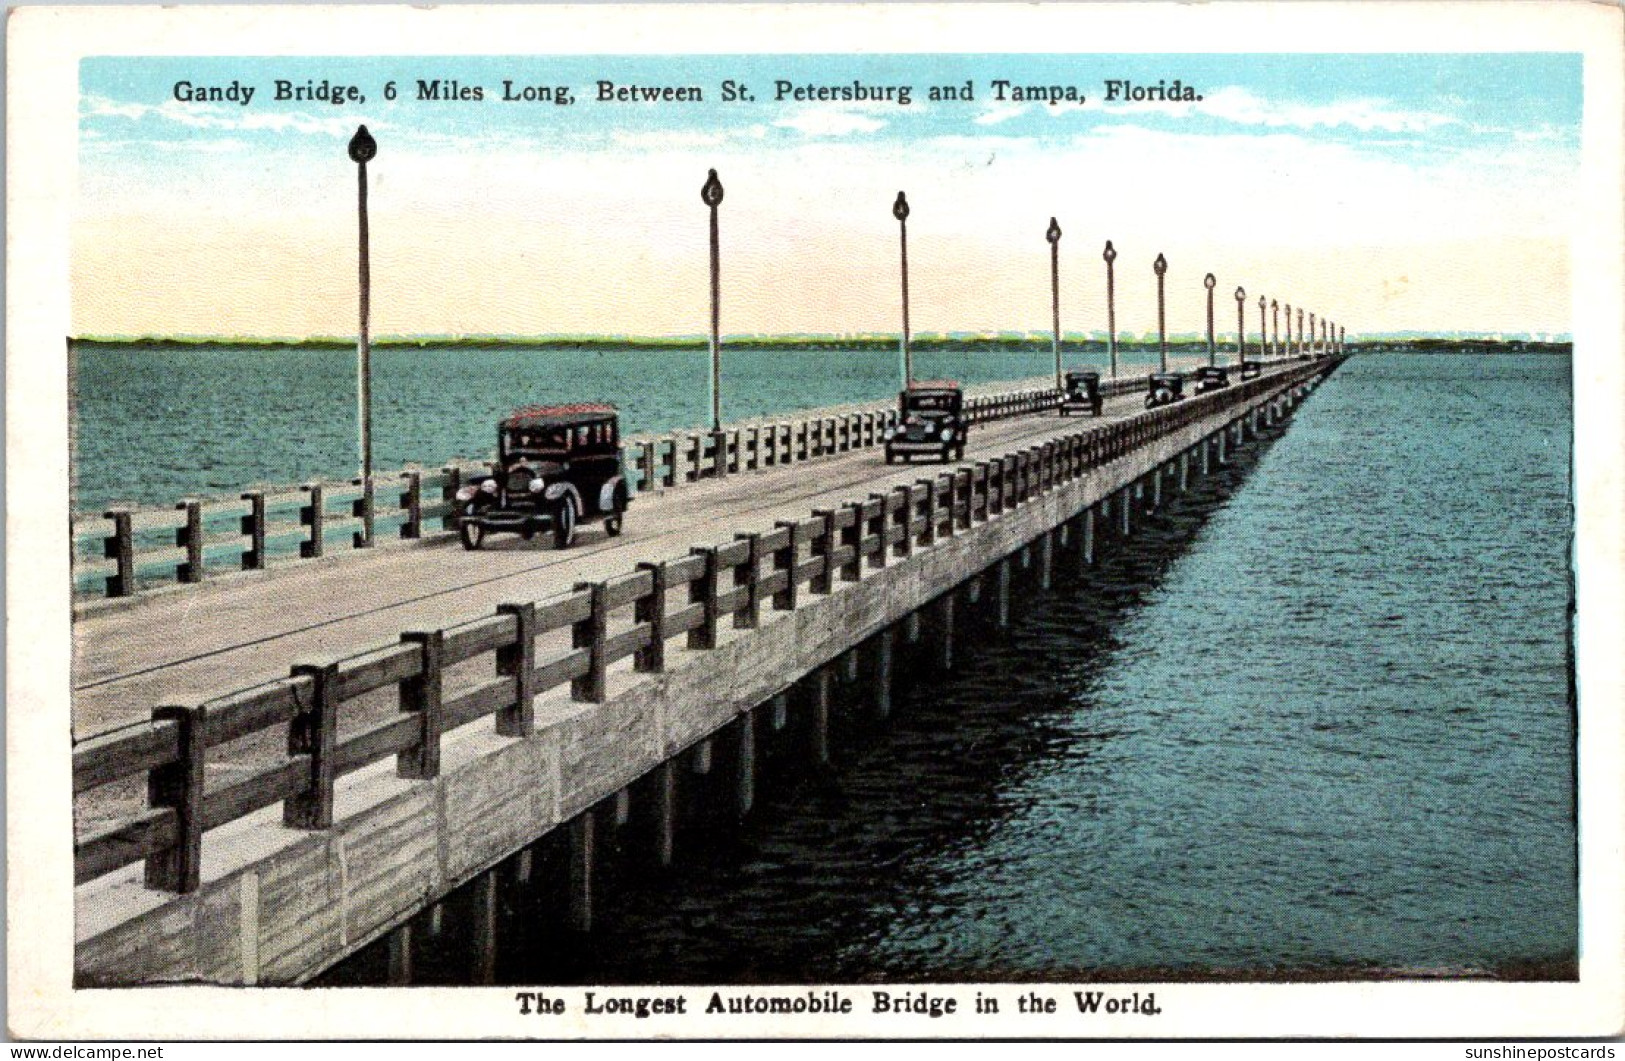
1164,388
1211,378
557,466
1251,369
931,422
1082,394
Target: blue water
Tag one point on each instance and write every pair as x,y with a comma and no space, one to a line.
155,424
1315,720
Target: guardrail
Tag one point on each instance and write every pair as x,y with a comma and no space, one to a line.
633,615
134,549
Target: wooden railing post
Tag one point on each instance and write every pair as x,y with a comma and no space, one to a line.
823,546
852,537
932,519
421,696
179,786
518,661
785,560
652,610
696,458
313,733
190,537
646,467
905,520
120,547
412,504
703,591
451,480
749,578
590,634
362,508
880,527
253,528
311,515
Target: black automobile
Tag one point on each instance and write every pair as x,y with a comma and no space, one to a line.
1164,388
556,467
1211,378
1082,393
931,422
1251,369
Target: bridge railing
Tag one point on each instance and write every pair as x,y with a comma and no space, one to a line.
535,647
126,550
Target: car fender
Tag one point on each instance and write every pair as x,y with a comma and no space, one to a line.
606,495
558,490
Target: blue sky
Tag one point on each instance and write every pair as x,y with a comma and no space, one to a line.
1453,162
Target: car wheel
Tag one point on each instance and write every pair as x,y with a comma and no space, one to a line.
528,531
472,535
564,524
891,458
960,453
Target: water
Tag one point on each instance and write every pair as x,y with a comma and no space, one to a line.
1320,725
158,423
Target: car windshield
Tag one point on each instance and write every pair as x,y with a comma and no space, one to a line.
541,441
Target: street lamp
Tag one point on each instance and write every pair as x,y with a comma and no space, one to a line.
899,210
1275,328
1160,266
1053,235
1110,254
1241,334
1263,338
711,195
362,149
1209,282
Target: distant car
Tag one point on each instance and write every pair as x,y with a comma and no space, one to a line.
931,422
1251,369
1164,388
1211,378
1082,393
557,466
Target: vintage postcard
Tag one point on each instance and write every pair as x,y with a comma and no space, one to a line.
815,521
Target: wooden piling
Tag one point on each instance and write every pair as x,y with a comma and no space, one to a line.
1004,593
945,631
253,528
582,842
623,806
485,928
781,711
400,956
1086,549
911,628
665,811
1046,559
745,764
882,673
702,757
190,537
818,730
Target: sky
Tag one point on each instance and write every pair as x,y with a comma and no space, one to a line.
1388,193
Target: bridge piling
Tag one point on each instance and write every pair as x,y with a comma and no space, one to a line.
745,765
1004,594
399,970
1046,559
883,673
578,906
485,928
945,631
819,729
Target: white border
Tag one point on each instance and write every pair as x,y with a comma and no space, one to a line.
44,46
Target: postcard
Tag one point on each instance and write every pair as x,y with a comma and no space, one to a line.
815,521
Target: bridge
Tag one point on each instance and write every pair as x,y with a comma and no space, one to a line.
275,768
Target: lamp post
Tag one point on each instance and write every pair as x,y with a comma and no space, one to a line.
1160,267
1209,282
1053,235
899,210
1241,334
1300,330
1311,335
362,149
1275,328
711,196
1288,347
1263,337
1110,254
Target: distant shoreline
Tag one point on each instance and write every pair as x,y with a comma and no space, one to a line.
814,344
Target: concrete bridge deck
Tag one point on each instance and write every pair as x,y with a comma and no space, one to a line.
218,637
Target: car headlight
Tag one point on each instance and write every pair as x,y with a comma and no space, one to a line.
466,493
489,486
930,428
537,485
891,433
947,434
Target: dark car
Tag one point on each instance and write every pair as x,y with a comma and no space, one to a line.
556,466
1082,393
931,422
1251,369
1211,378
1164,388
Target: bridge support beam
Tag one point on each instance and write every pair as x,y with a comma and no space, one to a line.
1156,487
1046,559
882,673
911,628
819,729
781,711
1086,540
665,812
745,762
1004,594
945,631
1184,471
400,956
578,913
485,928
1125,504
